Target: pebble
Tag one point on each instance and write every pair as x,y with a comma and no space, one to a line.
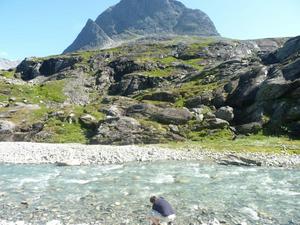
77,154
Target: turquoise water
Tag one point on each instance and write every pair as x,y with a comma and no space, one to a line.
117,194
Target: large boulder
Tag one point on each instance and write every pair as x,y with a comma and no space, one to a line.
141,110
273,89
289,49
293,113
162,115
294,129
172,116
164,96
30,68
292,70
88,120
248,86
132,83
216,123
196,102
125,131
225,113
250,128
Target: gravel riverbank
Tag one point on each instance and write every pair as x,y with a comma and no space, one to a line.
77,154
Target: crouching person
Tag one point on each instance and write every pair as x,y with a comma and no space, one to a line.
162,212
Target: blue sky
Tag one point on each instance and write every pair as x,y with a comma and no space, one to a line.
47,27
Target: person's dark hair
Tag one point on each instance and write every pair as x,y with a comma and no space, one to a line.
153,199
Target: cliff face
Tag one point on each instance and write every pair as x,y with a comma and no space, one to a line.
135,18
154,91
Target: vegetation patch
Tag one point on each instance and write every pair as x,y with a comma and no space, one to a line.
255,143
51,91
210,135
7,74
161,72
152,124
194,88
63,132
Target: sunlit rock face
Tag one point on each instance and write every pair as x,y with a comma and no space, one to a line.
134,18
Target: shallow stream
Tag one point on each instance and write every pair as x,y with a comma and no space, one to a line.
119,194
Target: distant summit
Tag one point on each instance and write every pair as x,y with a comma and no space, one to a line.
6,64
141,18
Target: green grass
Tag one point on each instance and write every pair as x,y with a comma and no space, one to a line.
195,63
51,91
253,144
161,72
210,135
7,74
63,132
92,109
27,116
194,88
149,123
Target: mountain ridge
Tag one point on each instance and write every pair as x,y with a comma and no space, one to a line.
146,17
6,64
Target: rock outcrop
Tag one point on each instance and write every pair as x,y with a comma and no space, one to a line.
155,91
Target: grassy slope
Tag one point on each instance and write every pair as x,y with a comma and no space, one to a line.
253,144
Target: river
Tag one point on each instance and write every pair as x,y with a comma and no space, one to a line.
119,194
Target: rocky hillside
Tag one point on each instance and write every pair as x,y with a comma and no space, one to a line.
155,91
131,19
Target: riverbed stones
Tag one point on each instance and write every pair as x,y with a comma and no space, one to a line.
34,153
225,113
234,160
7,127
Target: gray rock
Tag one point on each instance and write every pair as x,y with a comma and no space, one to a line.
225,113
132,83
249,128
293,114
217,123
88,120
292,70
175,116
174,129
196,102
273,89
7,127
125,131
142,109
31,68
296,93
113,111
249,83
172,116
145,18
233,160
165,96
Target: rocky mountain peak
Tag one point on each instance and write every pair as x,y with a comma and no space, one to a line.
6,64
132,18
